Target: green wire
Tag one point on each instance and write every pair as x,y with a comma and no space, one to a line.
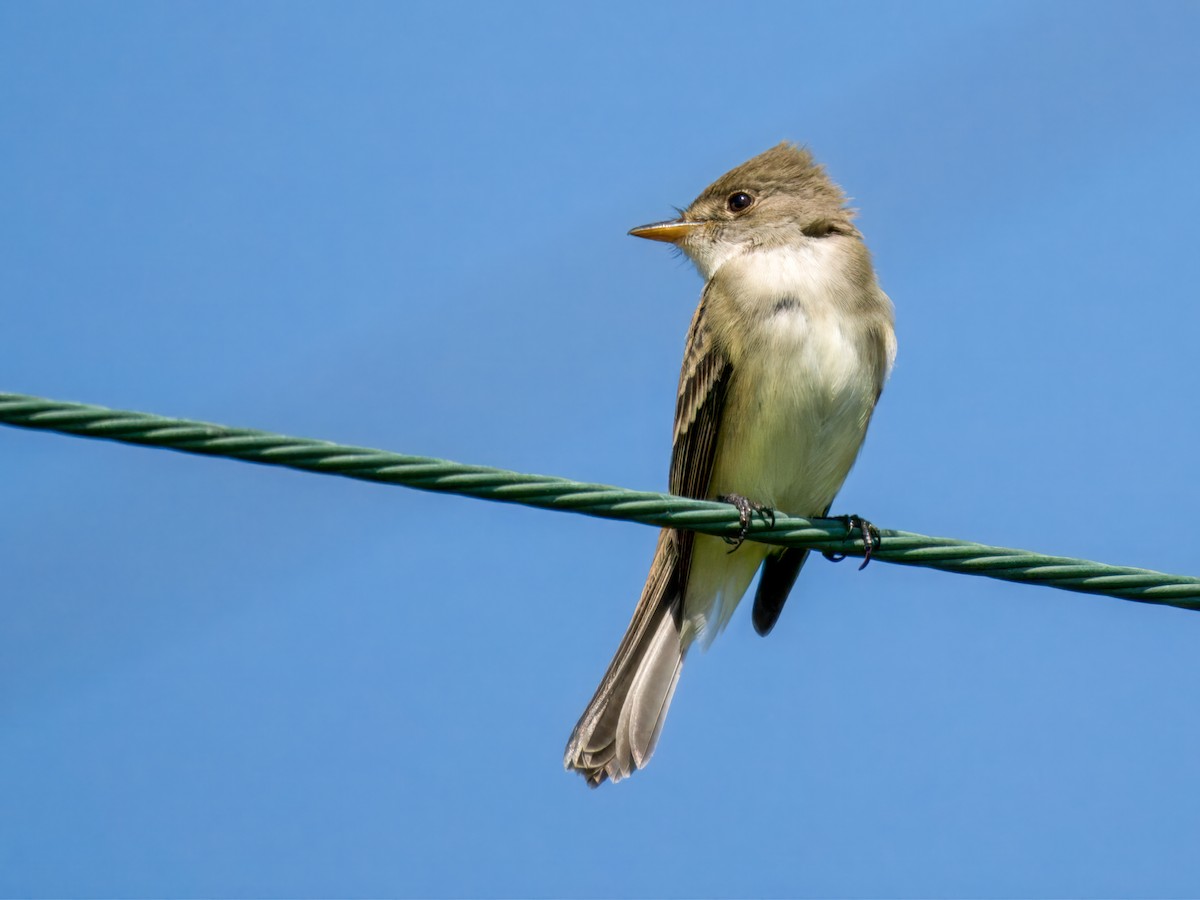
546,492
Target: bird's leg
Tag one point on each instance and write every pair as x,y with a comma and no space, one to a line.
872,540
746,509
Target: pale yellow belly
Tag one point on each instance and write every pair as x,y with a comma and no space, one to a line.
794,420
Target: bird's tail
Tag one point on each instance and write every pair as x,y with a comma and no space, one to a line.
618,731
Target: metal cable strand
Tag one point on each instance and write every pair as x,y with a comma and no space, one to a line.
546,492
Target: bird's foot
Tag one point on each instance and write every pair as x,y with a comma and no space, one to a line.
872,540
746,509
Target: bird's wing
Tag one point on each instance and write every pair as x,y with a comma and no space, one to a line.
703,382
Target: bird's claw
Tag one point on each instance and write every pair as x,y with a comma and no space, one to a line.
746,509
872,540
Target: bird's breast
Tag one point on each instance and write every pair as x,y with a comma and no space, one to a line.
803,385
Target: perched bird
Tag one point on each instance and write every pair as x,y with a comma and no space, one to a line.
785,359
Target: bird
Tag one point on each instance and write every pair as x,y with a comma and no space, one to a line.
785,359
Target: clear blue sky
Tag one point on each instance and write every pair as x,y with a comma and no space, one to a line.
404,226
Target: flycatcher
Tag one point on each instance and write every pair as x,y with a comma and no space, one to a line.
786,356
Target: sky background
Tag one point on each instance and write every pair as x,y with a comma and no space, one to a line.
403,226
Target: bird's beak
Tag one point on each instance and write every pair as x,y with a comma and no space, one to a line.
672,232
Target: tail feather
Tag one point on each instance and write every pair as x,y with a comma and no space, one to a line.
644,708
619,729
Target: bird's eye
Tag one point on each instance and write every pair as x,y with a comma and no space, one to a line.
739,201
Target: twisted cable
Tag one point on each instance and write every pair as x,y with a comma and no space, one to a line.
606,501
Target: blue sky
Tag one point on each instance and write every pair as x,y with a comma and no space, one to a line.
404,226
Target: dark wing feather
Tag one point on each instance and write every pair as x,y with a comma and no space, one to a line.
703,382
779,573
